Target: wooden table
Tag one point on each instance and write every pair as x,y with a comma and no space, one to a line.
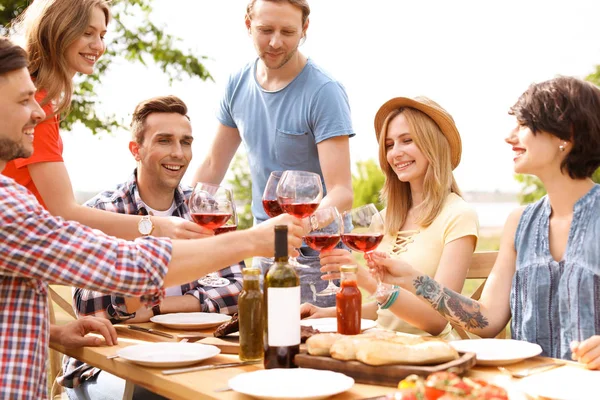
202,385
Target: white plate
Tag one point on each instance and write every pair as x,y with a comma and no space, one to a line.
168,354
498,351
326,325
563,383
293,383
194,320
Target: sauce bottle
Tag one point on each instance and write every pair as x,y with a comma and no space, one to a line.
250,314
348,301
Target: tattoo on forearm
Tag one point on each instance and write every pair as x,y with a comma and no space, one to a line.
455,307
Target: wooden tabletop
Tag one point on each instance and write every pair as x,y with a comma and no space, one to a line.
203,384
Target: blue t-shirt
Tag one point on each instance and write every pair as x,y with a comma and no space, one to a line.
281,129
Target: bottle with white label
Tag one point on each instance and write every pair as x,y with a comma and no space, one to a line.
282,303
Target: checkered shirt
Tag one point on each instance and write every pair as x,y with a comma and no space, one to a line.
37,249
125,199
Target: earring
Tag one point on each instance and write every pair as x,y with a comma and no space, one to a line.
562,147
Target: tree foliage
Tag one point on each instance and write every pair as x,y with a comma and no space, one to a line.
367,183
141,42
531,187
241,183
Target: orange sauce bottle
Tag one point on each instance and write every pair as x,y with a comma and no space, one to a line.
348,301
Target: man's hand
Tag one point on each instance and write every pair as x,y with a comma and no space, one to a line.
332,260
263,234
73,334
308,311
587,352
179,228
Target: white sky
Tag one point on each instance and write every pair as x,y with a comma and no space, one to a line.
473,57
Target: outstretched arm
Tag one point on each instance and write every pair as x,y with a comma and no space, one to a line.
486,317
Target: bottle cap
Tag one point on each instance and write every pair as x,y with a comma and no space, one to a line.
251,271
281,242
349,268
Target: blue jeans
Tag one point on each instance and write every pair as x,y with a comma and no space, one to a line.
108,387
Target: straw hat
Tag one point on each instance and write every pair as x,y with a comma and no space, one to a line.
434,111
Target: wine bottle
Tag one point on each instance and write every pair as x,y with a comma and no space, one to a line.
282,307
250,314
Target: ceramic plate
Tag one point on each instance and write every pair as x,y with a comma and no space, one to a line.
293,383
497,351
325,325
195,320
168,354
569,382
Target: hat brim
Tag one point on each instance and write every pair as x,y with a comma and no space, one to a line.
440,117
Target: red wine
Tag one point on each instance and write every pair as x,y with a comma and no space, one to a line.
210,220
322,242
272,208
299,210
280,357
225,228
362,242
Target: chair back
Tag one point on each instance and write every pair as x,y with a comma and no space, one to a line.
482,263
55,365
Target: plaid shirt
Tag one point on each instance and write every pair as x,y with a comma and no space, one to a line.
125,199
36,249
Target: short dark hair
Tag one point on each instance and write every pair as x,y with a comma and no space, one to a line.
161,104
568,108
12,57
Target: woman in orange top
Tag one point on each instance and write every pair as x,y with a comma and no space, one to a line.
62,38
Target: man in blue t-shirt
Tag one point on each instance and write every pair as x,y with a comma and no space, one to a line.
290,115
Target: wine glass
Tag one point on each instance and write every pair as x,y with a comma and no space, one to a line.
230,225
299,194
363,231
269,199
211,206
326,226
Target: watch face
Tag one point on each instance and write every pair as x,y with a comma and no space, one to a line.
145,226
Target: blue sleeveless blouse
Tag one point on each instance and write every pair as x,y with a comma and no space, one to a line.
553,303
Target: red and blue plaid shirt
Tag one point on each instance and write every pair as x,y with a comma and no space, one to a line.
125,199
37,248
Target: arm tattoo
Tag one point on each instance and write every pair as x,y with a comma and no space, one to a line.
454,307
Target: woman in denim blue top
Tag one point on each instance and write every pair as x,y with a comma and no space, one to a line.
547,274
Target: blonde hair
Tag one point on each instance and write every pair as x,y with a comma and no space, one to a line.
439,179
50,27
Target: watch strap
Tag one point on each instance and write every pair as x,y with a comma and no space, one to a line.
156,309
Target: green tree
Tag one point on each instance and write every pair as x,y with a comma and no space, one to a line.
367,183
241,183
531,187
142,43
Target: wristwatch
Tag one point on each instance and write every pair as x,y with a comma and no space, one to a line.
156,309
145,226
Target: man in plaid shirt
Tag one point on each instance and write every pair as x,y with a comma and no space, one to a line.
161,143
37,248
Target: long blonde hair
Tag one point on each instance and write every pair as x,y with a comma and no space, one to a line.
49,28
439,179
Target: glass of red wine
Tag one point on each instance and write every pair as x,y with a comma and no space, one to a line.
211,206
299,194
230,225
269,199
363,231
326,226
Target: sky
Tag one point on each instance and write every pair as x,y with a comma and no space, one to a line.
473,57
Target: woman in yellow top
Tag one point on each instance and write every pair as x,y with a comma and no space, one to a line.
427,222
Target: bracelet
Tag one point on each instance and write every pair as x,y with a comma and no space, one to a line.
390,300
156,309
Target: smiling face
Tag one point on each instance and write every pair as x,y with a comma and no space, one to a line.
19,113
276,29
83,54
166,151
535,154
404,157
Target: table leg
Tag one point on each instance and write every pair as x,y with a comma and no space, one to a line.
128,392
